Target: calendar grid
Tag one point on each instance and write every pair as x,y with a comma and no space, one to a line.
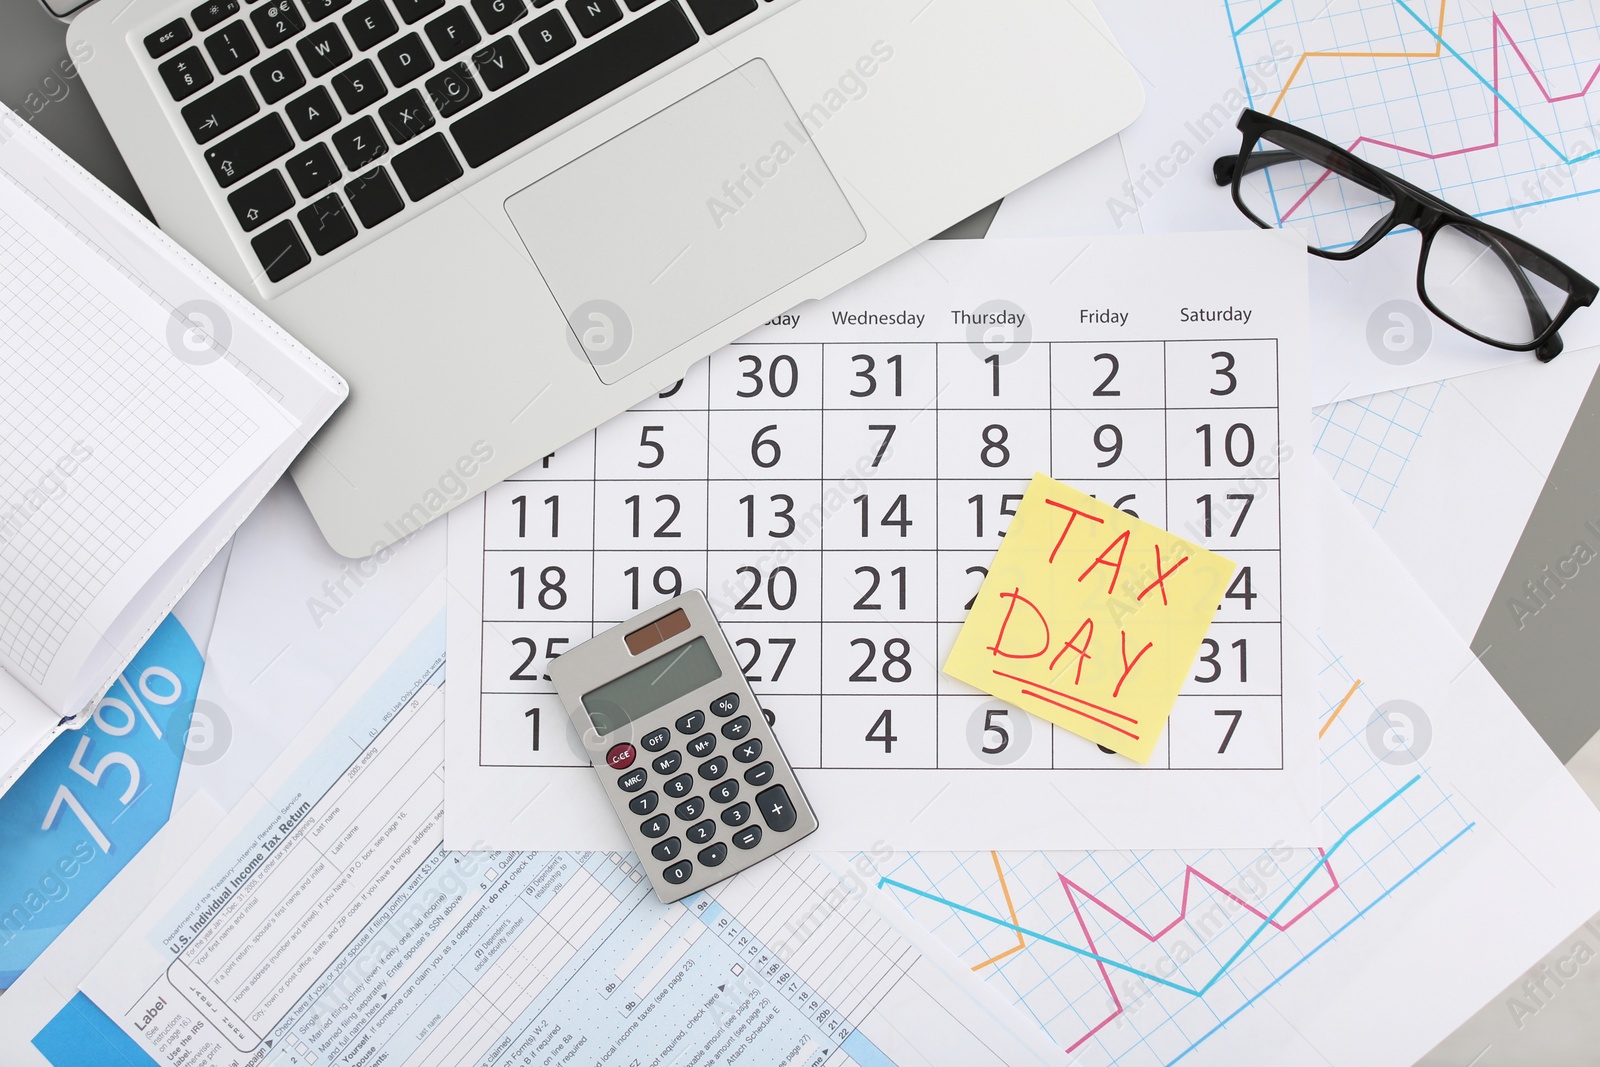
839,535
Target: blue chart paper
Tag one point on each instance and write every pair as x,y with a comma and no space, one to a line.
94,798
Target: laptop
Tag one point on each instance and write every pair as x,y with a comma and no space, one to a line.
505,221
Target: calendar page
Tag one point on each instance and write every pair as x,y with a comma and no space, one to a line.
837,483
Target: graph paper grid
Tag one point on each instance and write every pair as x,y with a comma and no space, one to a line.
104,434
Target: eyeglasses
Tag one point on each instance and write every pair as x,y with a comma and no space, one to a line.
1480,279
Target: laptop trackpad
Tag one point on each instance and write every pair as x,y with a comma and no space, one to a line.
688,217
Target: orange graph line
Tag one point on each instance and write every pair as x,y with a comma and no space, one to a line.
1011,910
1338,709
1438,46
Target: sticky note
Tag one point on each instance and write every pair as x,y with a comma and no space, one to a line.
1090,618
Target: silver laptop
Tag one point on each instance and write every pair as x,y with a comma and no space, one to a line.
505,221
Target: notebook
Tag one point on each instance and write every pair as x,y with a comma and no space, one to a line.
145,408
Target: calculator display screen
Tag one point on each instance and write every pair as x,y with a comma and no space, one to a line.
655,685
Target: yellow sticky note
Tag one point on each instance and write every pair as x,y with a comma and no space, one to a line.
1090,618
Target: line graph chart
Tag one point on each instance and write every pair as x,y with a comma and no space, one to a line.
1491,107
1139,958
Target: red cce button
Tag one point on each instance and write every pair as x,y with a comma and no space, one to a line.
620,758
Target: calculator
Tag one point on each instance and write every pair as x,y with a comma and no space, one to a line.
682,747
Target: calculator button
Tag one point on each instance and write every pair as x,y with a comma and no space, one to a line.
678,873
737,815
690,723
734,729
668,763
679,786
655,827
702,746
620,758
723,792
725,705
776,810
656,740
668,849
748,751
760,774
749,837
701,832
633,781
690,809
644,803
712,769
713,855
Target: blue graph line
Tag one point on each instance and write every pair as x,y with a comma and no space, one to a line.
1455,54
1487,84
1259,15
1118,964
1324,943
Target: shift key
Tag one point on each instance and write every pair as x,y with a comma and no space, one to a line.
249,150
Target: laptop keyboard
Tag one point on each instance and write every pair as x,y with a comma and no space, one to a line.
320,119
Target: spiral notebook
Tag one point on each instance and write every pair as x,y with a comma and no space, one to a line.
145,408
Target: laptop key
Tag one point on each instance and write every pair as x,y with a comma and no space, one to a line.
500,64
327,224
406,116
718,15
220,110
547,37
592,16
639,5
261,200
324,50
214,13
453,33
427,167
496,15
281,251
313,170
536,104
453,91
277,22
248,150
175,33
358,86
312,113
321,9
360,144
369,24
277,76
414,11
186,74
375,199
406,60
232,47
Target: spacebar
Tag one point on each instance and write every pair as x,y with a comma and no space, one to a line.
573,84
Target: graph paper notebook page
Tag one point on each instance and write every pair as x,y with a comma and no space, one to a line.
323,923
146,409
839,481
1459,851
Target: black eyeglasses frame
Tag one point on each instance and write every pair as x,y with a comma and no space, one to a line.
1419,209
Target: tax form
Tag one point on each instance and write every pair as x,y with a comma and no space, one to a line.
323,923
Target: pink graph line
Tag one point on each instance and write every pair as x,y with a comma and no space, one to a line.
1189,875
1499,30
